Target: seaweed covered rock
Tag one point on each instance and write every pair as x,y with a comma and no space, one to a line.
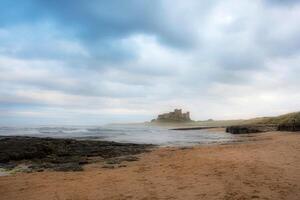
241,129
62,154
289,127
244,129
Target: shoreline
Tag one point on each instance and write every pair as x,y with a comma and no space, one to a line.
36,154
267,167
55,154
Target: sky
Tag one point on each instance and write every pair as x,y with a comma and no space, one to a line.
77,62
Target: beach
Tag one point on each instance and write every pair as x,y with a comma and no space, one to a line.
264,167
149,100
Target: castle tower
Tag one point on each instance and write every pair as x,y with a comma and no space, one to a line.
178,111
188,116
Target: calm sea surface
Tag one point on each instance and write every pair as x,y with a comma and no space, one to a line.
124,133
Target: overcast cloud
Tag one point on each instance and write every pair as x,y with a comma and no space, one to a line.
95,62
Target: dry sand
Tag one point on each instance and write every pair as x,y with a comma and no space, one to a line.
268,167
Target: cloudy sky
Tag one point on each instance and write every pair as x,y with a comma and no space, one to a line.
95,62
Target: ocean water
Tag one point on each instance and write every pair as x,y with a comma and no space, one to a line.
124,133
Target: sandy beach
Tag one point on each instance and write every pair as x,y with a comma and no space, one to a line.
149,100
266,167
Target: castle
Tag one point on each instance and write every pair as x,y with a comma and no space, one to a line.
176,116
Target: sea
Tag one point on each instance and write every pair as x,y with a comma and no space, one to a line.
128,133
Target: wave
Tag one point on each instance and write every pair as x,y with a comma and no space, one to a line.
131,134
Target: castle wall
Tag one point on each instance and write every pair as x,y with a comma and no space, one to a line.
177,115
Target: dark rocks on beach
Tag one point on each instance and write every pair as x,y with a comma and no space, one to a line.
244,129
241,130
108,166
289,127
62,154
68,167
119,160
8,166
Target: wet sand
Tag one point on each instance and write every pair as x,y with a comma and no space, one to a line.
266,167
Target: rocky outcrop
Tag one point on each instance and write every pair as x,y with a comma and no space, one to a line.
288,127
62,154
176,116
244,129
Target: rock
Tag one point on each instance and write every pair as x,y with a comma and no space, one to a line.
83,162
108,166
244,129
4,158
119,160
113,161
8,166
68,167
289,127
63,154
185,148
130,158
241,130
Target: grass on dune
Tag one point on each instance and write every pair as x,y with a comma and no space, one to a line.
289,118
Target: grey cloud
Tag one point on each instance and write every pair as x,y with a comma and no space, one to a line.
145,54
108,20
282,2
